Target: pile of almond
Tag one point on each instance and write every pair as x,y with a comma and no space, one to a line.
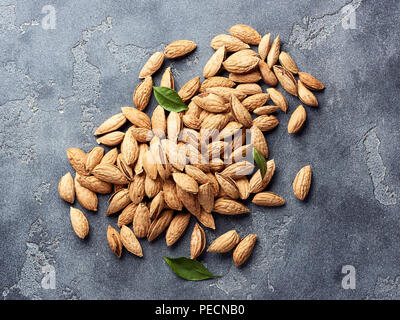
173,165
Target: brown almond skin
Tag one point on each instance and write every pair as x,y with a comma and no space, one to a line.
268,199
225,242
79,223
130,242
306,96
86,198
310,81
141,221
179,48
66,188
197,242
302,183
297,120
176,228
244,249
114,241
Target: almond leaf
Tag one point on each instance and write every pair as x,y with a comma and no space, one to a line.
169,99
189,269
261,162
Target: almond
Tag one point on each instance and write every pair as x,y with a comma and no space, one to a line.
245,33
215,81
306,96
124,167
174,126
197,242
109,173
225,242
257,183
159,224
249,88
141,221
268,199
189,89
310,82
214,64
247,77
206,197
238,170
240,113
111,124
87,199
240,63
206,219
225,93
143,148
255,101
157,205
278,99
137,117
186,182
66,188
93,158
273,54
243,186
230,129
167,79
231,44
79,222
179,48
286,79
114,241
176,228
287,62
142,94
170,195
228,185
244,249
265,110
130,148
152,65
77,159
266,123
159,122
264,46
189,200
297,119
266,74
150,165
210,102
136,188
191,121
130,241
94,184
127,215
258,141
110,157
229,207
111,139
152,187
302,183
118,201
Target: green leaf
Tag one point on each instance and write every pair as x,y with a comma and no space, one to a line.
189,269
169,99
261,162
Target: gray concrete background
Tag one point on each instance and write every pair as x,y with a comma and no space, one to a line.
58,85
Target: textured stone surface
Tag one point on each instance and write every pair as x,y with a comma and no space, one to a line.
58,85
